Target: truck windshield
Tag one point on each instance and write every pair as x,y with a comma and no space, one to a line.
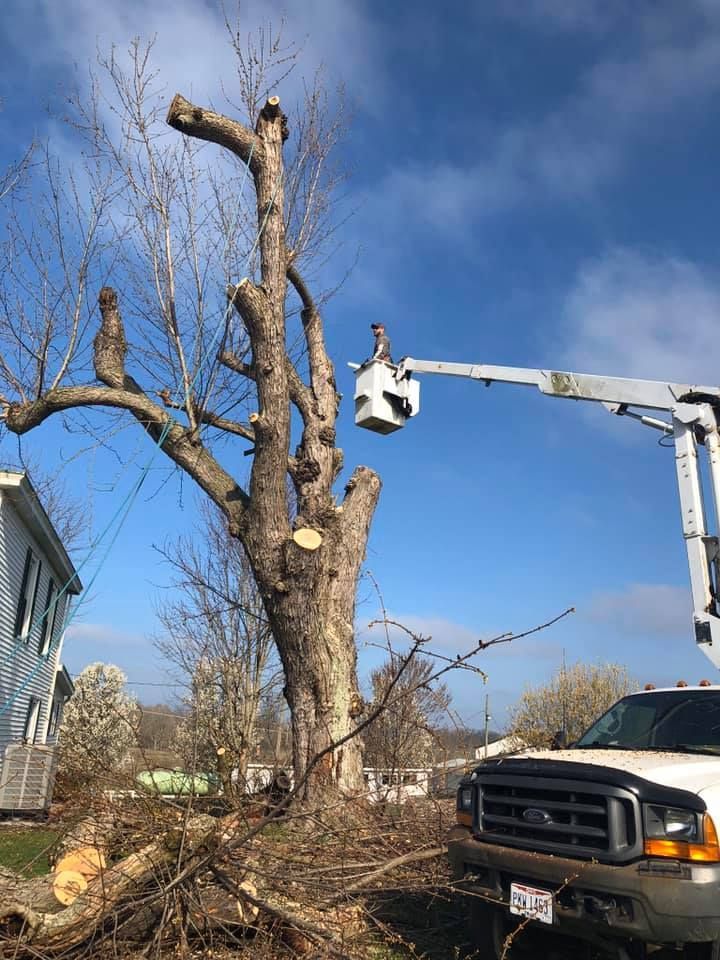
683,720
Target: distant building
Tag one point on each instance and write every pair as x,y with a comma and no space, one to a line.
381,785
498,748
397,786
37,580
447,775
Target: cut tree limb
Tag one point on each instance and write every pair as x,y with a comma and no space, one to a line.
216,128
72,926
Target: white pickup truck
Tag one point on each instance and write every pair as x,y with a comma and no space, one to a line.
614,840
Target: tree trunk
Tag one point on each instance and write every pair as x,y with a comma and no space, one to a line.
310,601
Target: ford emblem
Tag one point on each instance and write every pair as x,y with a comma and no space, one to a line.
534,815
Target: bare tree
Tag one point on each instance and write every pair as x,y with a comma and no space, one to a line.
158,726
67,512
163,218
216,633
569,702
402,734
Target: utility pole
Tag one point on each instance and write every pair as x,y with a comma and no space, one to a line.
564,698
487,722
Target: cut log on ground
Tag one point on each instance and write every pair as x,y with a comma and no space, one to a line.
88,861
68,885
93,831
53,932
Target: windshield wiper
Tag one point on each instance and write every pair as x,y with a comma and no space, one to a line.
597,745
685,748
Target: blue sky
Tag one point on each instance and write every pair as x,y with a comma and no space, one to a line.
534,183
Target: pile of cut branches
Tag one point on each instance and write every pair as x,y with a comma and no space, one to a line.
318,883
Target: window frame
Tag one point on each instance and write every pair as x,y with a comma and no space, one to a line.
28,596
32,720
47,627
55,718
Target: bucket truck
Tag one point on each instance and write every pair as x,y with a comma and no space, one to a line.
615,838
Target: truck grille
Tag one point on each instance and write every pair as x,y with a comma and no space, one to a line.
565,817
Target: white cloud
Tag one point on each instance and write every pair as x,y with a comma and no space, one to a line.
101,635
559,15
573,149
192,51
638,315
643,609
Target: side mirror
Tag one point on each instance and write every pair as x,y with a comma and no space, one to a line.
559,740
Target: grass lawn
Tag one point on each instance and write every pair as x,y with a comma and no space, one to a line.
24,849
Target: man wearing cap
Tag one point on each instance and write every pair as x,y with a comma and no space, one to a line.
382,343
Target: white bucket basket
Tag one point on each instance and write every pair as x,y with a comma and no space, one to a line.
382,403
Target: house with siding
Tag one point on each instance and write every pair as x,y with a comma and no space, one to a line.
37,583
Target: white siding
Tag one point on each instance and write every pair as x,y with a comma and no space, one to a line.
19,660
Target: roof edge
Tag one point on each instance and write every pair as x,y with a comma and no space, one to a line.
22,495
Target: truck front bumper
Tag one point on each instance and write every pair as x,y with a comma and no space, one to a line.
652,900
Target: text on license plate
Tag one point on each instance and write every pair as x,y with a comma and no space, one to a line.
531,902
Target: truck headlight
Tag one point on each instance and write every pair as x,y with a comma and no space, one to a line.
670,823
679,834
464,805
465,799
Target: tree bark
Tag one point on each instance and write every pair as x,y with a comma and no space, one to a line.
310,601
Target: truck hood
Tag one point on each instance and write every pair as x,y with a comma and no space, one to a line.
686,771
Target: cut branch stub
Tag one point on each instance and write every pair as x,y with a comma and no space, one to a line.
110,345
307,538
249,301
271,111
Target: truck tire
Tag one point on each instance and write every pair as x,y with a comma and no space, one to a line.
702,951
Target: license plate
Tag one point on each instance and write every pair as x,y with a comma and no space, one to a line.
531,902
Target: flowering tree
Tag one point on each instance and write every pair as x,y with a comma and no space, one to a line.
570,701
99,725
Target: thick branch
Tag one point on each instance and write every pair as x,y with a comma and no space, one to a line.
263,307
110,345
300,393
178,444
250,302
78,921
234,363
216,128
361,496
320,366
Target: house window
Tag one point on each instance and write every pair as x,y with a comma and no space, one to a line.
56,713
28,593
47,628
31,720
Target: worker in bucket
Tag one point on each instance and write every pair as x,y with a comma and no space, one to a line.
382,343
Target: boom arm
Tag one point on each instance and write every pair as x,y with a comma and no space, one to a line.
695,412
